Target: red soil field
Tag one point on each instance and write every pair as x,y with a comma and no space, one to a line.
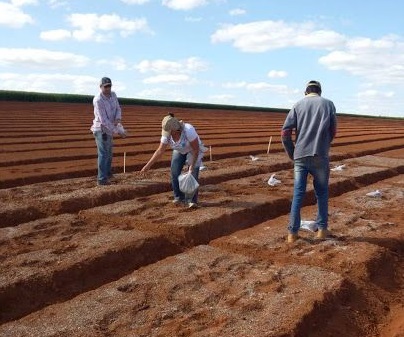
121,260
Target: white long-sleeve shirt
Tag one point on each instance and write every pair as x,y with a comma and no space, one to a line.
106,111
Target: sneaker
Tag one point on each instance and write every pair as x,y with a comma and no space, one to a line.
192,205
292,238
322,234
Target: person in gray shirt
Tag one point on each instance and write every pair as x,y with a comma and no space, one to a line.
313,120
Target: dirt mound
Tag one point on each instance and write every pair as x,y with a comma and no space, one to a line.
122,260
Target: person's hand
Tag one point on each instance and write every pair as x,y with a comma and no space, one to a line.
120,130
191,169
143,173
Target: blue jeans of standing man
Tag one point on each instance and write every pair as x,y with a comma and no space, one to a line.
104,150
319,168
178,161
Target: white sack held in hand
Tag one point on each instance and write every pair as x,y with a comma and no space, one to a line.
119,129
188,184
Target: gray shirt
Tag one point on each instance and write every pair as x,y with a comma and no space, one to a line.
314,120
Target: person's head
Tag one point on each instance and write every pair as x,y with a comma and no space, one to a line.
313,87
170,125
105,85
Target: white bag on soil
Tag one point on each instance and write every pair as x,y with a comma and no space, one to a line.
272,181
374,194
188,184
338,168
310,225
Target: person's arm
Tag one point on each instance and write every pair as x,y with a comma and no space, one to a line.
195,153
287,131
287,142
118,112
156,156
333,124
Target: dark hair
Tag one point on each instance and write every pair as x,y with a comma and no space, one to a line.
171,114
313,89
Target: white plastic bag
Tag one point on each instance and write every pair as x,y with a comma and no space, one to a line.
188,184
374,194
338,168
272,181
119,129
309,225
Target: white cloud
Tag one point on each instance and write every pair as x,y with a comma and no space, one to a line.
372,93
99,28
223,98
57,3
55,35
89,24
20,3
135,2
237,11
54,82
184,5
263,86
40,58
190,65
234,85
117,63
261,36
379,102
12,16
164,94
168,79
380,61
277,74
259,86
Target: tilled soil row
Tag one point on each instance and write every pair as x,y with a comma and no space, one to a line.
252,282
10,157
13,176
73,195
31,202
74,254
366,249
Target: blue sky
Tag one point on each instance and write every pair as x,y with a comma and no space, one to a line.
238,52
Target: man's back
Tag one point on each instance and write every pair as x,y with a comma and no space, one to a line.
313,119
314,130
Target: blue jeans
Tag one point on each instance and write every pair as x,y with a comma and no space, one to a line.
319,168
178,161
104,150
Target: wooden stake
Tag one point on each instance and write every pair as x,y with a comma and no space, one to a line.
210,152
269,144
124,162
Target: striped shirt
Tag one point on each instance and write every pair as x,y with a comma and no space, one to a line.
106,111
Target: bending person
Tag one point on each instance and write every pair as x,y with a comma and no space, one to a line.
187,149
